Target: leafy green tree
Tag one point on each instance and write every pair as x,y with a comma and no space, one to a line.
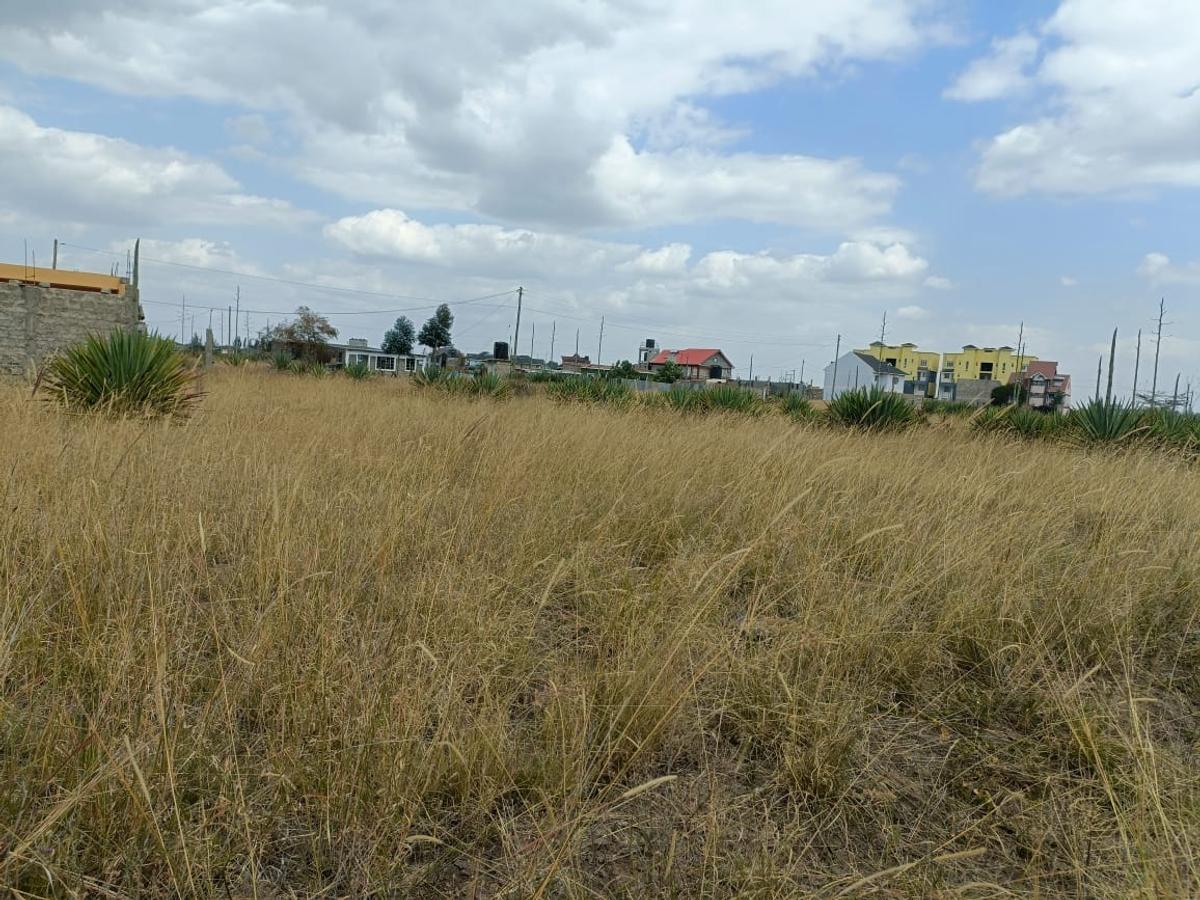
623,369
308,332
195,345
399,339
435,334
669,373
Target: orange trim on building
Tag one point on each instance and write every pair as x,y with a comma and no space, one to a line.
62,278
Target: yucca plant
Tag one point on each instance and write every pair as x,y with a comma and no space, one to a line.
235,358
871,409
358,371
281,361
1172,429
683,399
730,398
125,373
796,407
489,384
1102,422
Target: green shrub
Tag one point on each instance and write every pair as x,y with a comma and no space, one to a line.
125,373
1172,429
871,409
359,371
1101,422
683,399
307,367
234,358
796,407
590,390
730,398
489,384
280,361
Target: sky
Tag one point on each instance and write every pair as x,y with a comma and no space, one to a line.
759,177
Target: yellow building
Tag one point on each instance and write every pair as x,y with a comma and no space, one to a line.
921,366
983,364
905,357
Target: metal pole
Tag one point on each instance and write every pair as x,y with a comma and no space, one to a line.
1137,362
833,388
517,330
600,346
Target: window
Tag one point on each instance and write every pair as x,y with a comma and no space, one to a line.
385,363
358,359
410,364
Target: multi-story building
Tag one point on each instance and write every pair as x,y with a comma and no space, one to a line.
980,364
1045,387
920,367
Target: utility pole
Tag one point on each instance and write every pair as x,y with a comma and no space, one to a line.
1157,347
600,346
751,370
1137,362
1016,395
1175,394
1112,358
517,330
802,371
532,340
553,335
54,259
1099,365
882,335
237,312
182,319
837,351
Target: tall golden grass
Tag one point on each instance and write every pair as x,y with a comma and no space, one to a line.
334,638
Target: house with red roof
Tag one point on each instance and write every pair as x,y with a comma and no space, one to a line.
698,363
1045,387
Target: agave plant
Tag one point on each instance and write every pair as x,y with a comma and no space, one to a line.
280,361
489,384
124,373
1172,429
683,399
871,409
797,407
730,398
1102,421
358,371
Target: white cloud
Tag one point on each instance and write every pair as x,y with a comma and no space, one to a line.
493,250
1068,281
939,283
528,114
1001,73
1119,80
71,177
1158,268
912,313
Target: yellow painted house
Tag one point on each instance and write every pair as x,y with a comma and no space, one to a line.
921,366
983,364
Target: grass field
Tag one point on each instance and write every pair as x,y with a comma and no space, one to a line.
332,638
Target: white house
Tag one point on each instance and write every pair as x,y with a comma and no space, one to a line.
357,351
856,370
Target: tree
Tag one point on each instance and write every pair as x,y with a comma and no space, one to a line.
1002,395
435,334
195,345
308,333
623,369
669,372
400,337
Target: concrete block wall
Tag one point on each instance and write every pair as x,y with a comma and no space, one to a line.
36,321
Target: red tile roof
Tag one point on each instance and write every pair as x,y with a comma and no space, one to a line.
692,356
1044,367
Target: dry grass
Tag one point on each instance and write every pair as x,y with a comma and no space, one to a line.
334,638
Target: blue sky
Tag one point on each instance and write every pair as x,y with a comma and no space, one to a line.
753,179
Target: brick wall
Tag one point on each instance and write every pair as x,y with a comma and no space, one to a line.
36,321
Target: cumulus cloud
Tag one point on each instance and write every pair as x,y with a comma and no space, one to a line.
1001,73
1119,80
537,116
912,313
50,174
1158,268
1068,281
939,283
488,249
